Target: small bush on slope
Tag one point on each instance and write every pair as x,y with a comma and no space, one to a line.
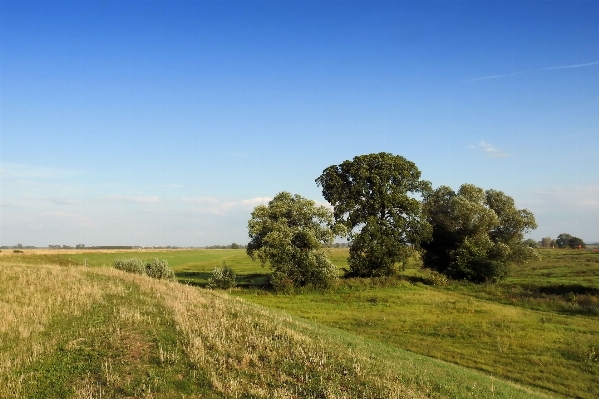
157,269
130,265
222,278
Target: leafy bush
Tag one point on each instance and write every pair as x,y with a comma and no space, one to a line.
282,283
222,278
307,269
17,251
159,269
434,278
130,265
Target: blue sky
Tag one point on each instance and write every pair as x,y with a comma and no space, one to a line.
166,122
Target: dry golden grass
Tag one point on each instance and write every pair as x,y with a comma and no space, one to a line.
248,350
30,298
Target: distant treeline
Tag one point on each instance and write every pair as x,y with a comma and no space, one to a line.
82,246
230,246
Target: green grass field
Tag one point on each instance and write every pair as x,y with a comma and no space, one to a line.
539,328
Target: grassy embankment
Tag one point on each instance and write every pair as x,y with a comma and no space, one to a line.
95,332
539,327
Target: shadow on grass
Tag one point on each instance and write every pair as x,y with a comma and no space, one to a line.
566,289
200,279
570,299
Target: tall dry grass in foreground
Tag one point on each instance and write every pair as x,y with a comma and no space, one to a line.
30,298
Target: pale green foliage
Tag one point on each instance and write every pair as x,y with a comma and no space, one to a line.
374,197
476,233
530,243
222,278
159,269
290,234
130,265
156,269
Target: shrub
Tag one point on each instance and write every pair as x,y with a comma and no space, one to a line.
222,278
130,265
159,269
282,283
435,278
17,251
306,269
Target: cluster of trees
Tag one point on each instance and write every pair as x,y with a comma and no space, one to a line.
563,240
18,246
231,246
388,214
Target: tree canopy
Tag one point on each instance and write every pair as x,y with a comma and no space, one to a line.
374,197
289,234
565,240
476,234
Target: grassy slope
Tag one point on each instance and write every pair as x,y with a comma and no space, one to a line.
97,332
495,328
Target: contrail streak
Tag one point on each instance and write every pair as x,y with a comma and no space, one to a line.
530,71
571,66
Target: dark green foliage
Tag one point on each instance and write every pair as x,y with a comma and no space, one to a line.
373,197
575,242
476,235
222,278
562,240
565,240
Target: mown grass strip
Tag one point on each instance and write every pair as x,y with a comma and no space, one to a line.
255,352
124,344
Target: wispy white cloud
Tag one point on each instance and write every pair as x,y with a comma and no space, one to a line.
135,199
10,205
22,171
64,219
531,71
63,201
489,150
218,206
59,214
575,198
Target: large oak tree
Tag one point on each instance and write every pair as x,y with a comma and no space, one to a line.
375,197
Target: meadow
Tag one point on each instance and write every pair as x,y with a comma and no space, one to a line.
534,334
